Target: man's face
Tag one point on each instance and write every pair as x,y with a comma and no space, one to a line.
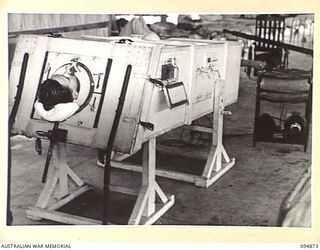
75,94
73,85
70,82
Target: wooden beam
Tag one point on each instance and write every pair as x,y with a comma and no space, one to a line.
185,152
276,43
160,193
149,174
48,189
61,217
124,190
216,175
62,29
153,218
70,197
139,206
199,129
159,172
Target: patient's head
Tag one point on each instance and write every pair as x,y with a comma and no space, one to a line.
69,81
51,93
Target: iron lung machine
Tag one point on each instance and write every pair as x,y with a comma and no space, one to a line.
170,85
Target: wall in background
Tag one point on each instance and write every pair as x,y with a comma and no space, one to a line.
23,21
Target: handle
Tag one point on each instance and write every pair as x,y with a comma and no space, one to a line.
125,40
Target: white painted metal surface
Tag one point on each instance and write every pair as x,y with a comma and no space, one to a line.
197,64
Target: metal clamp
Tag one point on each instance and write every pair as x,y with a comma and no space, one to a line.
227,113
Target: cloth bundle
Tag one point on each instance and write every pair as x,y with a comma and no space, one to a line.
137,26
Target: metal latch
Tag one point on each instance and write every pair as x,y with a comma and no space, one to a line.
38,146
125,40
162,83
147,125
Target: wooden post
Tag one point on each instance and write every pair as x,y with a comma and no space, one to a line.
148,174
214,157
145,204
51,182
217,155
62,163
257,108
144,211
190,90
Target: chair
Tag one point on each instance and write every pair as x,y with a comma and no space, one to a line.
285,87
269,27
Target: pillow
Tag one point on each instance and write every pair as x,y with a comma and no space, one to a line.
58,113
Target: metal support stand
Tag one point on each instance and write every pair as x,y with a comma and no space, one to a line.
218,161
57,192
